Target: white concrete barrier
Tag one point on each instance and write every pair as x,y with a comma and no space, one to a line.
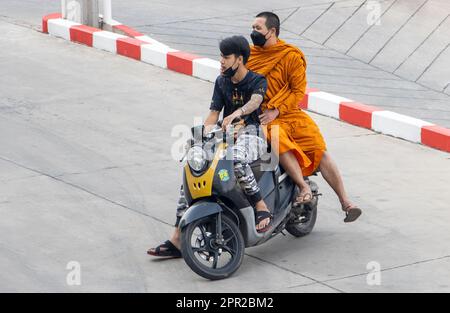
155,54
325,103
106,41
206,69
398,125
60,28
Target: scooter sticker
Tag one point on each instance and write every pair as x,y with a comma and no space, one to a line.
224,176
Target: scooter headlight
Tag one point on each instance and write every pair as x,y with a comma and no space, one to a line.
197,158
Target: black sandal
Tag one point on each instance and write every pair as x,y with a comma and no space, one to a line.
169,250
261,216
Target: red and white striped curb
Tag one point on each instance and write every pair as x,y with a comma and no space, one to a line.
130,43
377,119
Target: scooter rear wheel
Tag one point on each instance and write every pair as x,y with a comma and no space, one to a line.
304,223
202,253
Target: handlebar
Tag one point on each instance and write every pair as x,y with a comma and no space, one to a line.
235,121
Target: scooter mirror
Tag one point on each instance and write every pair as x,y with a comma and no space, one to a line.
197,133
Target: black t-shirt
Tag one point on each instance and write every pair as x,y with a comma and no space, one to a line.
233,96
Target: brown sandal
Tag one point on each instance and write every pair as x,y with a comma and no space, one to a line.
352,214
307,195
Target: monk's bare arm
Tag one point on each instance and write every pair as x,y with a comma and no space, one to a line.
253,104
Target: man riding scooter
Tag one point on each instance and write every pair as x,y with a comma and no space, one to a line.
239,92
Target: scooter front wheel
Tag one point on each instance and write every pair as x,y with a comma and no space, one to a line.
204,251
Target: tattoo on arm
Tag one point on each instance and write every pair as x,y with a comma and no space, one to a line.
254,103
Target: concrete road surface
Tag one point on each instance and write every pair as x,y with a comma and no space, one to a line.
87,176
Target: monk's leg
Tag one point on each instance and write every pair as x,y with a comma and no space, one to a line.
330,173
293,169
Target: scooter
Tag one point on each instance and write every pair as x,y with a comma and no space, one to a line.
220,223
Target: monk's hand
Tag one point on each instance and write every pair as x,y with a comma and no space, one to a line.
268,116
227,120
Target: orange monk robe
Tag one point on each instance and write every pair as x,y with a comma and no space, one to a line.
284,67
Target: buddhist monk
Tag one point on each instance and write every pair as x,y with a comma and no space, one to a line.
302,149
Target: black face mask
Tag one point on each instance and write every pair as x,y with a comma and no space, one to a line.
258,38
229,72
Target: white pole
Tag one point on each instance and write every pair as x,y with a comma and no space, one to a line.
63,8
92,7
107,11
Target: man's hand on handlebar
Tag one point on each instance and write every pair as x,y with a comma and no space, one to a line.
208,128
230,119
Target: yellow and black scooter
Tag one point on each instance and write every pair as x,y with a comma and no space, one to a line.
220,223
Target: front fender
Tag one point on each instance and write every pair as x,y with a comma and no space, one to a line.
199,210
